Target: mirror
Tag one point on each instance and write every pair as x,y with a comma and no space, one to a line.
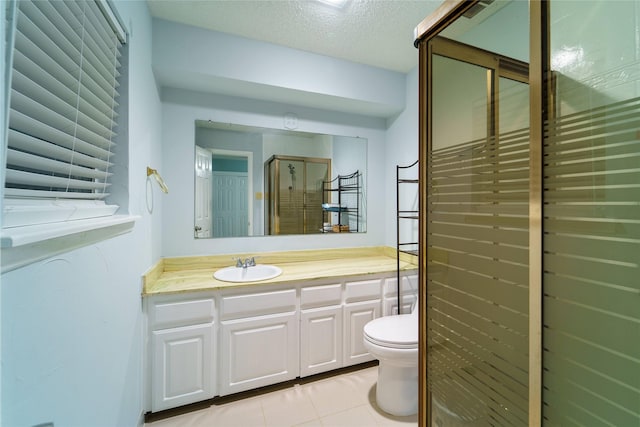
247,178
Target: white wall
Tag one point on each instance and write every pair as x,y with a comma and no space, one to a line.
596,60
348,158
401,149
295,145
192,58
72,340
505,32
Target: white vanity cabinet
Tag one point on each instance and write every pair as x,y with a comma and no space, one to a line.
321,331
258,339
408,292
181,350
203,344
362,301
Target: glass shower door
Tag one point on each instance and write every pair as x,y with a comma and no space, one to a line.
290,209
591,282
316,174
477,243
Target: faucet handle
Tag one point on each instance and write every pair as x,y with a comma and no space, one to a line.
238,262
251,261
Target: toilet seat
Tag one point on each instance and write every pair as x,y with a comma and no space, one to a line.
399,332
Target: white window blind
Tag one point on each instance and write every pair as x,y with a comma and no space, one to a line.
63,111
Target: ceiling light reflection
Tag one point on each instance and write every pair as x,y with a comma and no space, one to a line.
335,3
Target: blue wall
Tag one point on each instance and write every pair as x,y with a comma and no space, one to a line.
72,324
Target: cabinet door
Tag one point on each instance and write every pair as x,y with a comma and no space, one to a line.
258,351
408,293
320,340
390,307
181,365
356,315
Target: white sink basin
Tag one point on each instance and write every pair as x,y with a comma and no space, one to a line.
250,274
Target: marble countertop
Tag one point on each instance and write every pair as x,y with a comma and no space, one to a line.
191,274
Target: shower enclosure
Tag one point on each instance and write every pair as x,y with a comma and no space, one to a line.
530,213
293,194
477,235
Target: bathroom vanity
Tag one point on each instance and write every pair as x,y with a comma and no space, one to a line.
208,338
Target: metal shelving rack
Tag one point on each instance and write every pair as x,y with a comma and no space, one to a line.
348,188
407,247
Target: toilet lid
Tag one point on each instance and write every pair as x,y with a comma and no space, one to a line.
393,331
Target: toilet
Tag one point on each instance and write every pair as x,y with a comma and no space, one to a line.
393,340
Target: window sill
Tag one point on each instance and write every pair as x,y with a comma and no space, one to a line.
24,245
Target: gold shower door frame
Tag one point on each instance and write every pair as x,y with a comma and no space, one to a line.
426,33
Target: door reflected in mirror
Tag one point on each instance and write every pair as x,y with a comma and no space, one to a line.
232,193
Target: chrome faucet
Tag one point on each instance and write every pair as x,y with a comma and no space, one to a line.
248,262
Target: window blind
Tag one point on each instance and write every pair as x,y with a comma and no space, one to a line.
63,104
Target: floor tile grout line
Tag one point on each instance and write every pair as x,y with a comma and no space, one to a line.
347,377
315,408
264,416
307,397
360,380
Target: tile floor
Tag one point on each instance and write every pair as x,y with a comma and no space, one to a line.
345,400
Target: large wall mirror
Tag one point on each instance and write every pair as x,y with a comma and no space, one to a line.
252,181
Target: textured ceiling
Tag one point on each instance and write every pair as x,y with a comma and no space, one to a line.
373,32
